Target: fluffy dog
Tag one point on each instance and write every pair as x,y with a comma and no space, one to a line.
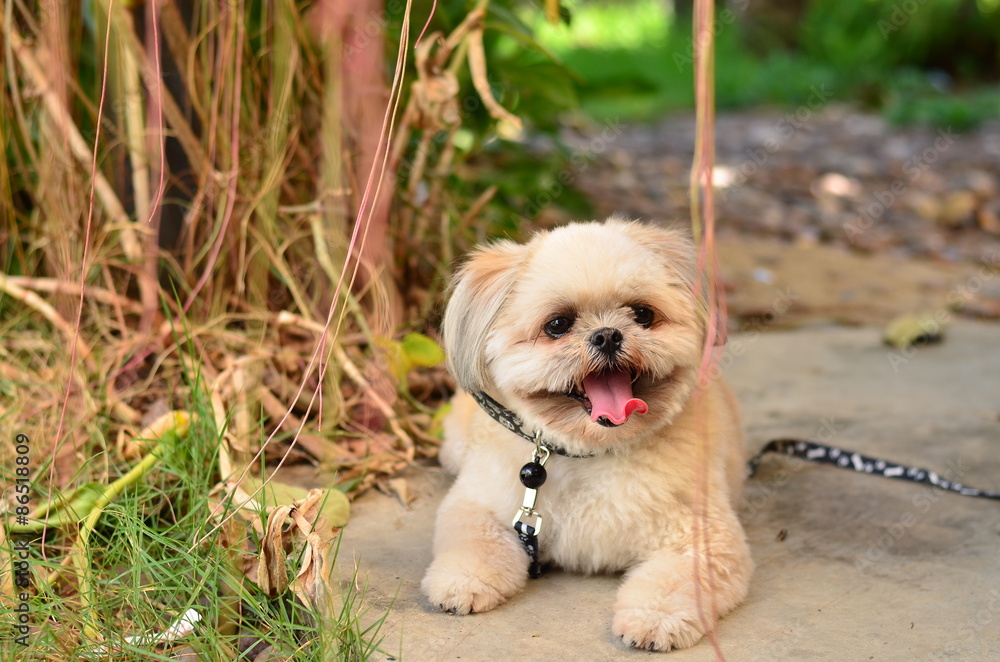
592,334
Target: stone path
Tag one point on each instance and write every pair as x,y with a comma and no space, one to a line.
849,567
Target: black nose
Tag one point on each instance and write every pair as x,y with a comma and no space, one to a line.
607,340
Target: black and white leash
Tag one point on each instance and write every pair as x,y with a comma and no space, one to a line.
528,521
845,459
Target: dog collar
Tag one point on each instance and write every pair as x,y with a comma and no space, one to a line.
513,422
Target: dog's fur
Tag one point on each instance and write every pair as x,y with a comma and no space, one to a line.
659,497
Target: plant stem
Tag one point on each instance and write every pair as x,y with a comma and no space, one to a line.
80,546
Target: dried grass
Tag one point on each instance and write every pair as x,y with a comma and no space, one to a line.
226,168
204,217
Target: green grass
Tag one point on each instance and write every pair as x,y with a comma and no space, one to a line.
634,61
146,568
607,26
152,555
911,99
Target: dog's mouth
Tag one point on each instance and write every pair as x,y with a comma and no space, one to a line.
608,397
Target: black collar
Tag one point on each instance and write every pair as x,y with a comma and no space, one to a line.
513,422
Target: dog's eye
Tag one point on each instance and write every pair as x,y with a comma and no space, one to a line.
643,316
557,327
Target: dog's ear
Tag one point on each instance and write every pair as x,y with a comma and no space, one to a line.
674,248
478,294
679,253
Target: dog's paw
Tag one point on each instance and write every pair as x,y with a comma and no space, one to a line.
460,590
654,630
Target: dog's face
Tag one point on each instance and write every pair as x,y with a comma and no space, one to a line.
590,332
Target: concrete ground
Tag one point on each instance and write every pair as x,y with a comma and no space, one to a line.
849,566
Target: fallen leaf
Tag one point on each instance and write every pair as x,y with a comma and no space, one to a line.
311,531
399,488
312,582
914,329
271,575
319,447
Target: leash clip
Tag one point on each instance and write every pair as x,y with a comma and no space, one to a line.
532,477
541,453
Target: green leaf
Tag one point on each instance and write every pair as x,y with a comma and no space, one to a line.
422,351
415,350
64,509
464,139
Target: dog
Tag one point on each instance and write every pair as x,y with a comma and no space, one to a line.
592,334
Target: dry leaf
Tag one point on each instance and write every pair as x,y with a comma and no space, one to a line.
321,448
399,488
914,329
310,531
312,582
271,575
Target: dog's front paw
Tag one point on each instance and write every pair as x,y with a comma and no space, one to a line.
461,588
654,630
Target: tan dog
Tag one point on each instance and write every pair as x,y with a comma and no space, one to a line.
591,334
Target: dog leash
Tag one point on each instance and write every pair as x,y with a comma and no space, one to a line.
845,459
528,521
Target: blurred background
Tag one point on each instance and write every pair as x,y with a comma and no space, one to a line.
248,212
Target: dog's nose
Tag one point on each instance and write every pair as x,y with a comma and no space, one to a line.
607,340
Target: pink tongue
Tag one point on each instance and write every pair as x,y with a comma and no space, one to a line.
610,395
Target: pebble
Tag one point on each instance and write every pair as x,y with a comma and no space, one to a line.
806,186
